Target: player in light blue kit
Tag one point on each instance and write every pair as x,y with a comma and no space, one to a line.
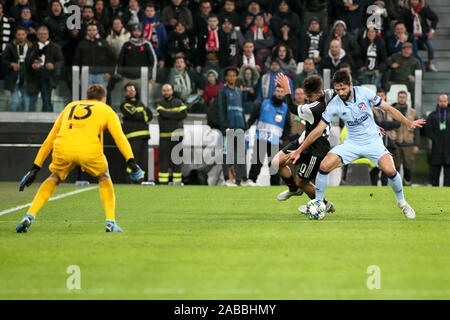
353,106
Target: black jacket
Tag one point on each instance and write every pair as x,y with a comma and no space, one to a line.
96,54
132,57
184,43
53,54
171,114
440,150
425,14
136,118
57,28
11,55
381,59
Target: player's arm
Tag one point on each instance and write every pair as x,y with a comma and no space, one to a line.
43,153
397,115
312,136
115,129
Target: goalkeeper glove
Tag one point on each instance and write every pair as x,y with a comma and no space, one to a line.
135,172
28,179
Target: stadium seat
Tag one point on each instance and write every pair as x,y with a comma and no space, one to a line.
371,87
391,96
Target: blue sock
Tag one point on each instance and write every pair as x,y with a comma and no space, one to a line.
321,184
396,184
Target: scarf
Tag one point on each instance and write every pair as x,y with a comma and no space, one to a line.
26,24
276,102
41,53
138,41
213,40
93,39
417,27
150,31
248,61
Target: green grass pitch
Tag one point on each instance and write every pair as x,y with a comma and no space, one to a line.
227,243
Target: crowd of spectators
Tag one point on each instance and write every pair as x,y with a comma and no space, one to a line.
184,42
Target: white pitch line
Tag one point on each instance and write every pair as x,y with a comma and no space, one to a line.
51,199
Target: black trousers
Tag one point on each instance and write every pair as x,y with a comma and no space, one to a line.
261,149
140,151
166,146
435,171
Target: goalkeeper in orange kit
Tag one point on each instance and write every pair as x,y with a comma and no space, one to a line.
77,140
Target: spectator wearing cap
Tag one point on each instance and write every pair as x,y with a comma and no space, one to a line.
317,9
16,10
133,14
228,12
267,84
289,39
261,35
284,13
201,17
212,86
402,67
309,69
314,41
285,57
335,56
373,58
174,13
180,44
231,41
27,22
93,51
248,57
348,41
155,33
395,41
136,53
416,15
249,16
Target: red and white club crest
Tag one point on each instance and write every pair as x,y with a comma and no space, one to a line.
362,106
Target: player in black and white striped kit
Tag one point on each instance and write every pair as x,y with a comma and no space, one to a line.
309,161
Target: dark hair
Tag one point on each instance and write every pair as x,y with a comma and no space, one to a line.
88,7
312,84
21,28
150,5
227,70
345,65
248,41
342,76
402,92
399,22
96,92
213,15
129,84
381,91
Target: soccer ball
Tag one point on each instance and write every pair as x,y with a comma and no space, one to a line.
316,210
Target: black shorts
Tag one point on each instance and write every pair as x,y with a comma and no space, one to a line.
308,164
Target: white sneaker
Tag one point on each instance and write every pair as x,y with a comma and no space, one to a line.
287,194
248,183
432,67
406,209
230,183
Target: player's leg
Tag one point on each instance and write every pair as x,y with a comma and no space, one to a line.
257,160
280,162
44,193
328,164
163,160
177,177
109,201
386,164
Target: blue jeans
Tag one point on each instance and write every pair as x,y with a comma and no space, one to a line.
370,78
97,79
46,94
429,44
20,91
